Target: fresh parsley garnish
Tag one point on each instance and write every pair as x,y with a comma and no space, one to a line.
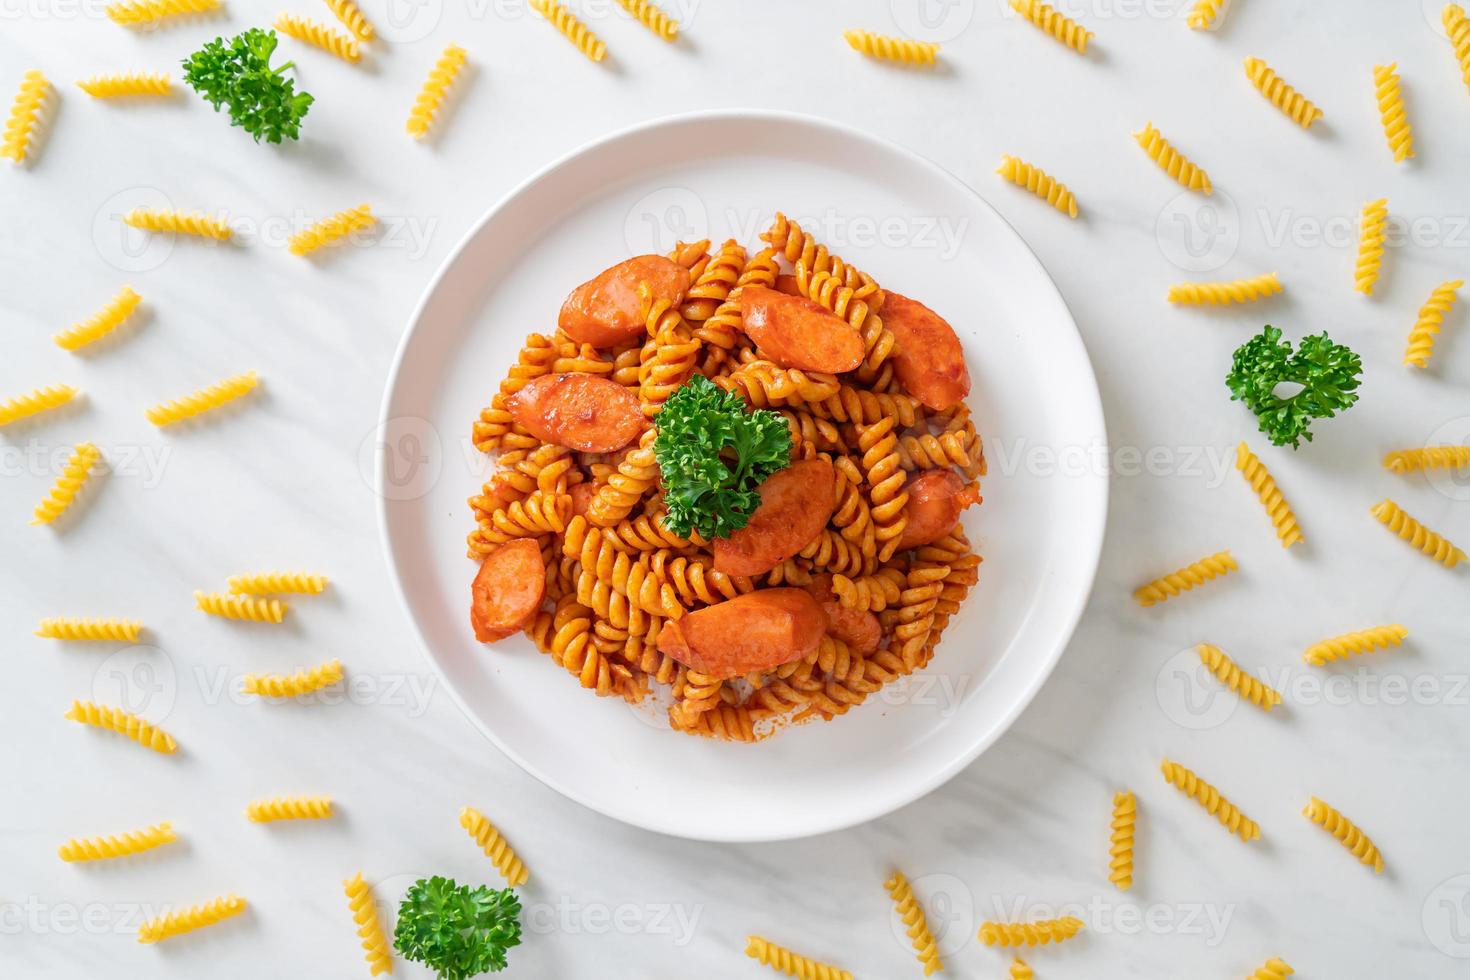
1328,373
238,74
456,930
712,454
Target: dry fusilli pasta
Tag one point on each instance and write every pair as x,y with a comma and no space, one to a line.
124,723
1431,318
1120,843
1209,797
122,630
650,16
1059,26
268,583
375,947
274,808
1273,969
1372,230
319,35
328,230
35,402
1457,26
1038,182
187,920
351,17
783,960
117,845
1221,293
1355,644
571,28
1257,692
436,87
1431,457
304,681
104,322
1295,105
1346,832
500,853
25,116
1395,117
241,607
1436,546
126,85
1202,15
888,48
203,400
83,458
178,222
1171,161
1020,970
149,11
1038,933
1190,576
1264,485
912,914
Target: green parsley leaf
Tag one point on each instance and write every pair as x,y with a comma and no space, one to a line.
1329,375
238,74
455,930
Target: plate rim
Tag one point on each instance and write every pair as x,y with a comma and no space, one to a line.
1073,615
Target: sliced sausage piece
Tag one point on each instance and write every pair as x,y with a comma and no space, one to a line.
797,333
927,356
796,503
755,631
582,494
606,311
508,590
579,411
936,498
858,628
786,283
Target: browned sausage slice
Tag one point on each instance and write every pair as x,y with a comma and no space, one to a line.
606,311
755,631
797,333
796,504
927,356
508,590
936,498
858,628
579,411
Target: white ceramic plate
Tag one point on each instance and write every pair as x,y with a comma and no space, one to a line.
917,229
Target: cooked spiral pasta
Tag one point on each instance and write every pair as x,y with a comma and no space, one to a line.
1291,102
1395,117
203,400
496,849
187,920
714,284
1372,229
117,845
350,16
35,402
1059,26
888,48
1432,457
328,230
267,583
1264,485
566,635
1202,15
1346,832
1457,26
1431,318
620,494
241,607
540,513
928,452
1224,293
375,947
1355,643
693,580
797,245
1436,546
1171,161
1273,969
274,808
571,28
64,491
829,290
648,14
915,611
669,356
319,36
647,532
178,222
536,358
721,329
873,593
1038,182
764,384
783,960
1190,576
885,476
124,723
1020,970
304,681
912,914
121,630
104,322
1038,933
435,88
1257,692
149,11
126,85
1209,797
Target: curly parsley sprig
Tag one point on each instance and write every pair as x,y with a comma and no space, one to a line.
456,930
1329,375
238,74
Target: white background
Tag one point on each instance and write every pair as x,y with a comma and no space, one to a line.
283,482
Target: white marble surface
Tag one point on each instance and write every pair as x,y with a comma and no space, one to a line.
282,482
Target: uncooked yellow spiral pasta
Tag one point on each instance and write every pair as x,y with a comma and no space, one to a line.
375,947
25,116
1257,692
203,400
178,222
117,845
1020,970
652,18
35,402
888,48
241,607
126,85
320,36
1273,969
1040,183
1457,26
870,592
1059,26
1295,105
912,914
121,630
1171,161
1190,576
1202,15
1432,457
351,17
1372,229
1209,797
1346,832
783,960
1431,318
1264,485
329,230
435,88
1120,843
1037,933
885,475
104,322
187,920
1436,546
635,477
124,723
148,11
1391,109
571,28
1355,643
267,583
275,808
1223,293
304,681
496,849
68,484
